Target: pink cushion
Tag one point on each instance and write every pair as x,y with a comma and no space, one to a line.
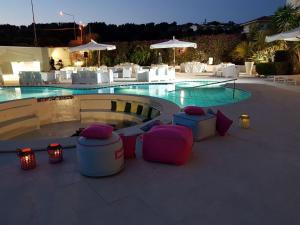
182,130
129,146
194,110
168,144
223,123
97,131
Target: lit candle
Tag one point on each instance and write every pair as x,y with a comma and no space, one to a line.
55,153
27,158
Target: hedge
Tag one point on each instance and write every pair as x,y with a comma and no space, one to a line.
266,69
277,68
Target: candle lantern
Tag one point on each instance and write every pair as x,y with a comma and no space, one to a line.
27,158
55,153
245,121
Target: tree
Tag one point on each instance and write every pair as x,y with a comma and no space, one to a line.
286,18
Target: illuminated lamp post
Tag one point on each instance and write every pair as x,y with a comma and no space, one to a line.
81,27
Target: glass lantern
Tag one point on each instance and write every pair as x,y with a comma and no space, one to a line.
245,121
55,153
27,158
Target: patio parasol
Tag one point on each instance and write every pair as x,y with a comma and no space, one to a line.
93,46
174,43
292,35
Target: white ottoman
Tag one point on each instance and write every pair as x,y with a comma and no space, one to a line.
202,126
99,158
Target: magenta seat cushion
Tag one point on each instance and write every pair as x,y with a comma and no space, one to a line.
223,123
129,145
194,110
97,131
169,144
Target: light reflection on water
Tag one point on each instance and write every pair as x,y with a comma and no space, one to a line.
183,94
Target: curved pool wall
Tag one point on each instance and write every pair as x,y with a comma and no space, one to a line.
21,116
183,93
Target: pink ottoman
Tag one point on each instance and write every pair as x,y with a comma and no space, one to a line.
168,144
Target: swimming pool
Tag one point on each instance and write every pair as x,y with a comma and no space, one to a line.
183,93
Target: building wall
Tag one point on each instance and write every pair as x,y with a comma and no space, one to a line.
60,53
10,54
296,3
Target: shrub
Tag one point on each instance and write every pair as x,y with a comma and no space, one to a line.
266,69
277,68
283,68
282,56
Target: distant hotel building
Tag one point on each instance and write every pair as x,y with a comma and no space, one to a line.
295,3
261,22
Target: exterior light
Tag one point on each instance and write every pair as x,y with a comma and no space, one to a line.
27,158
245,121
62,13
55,153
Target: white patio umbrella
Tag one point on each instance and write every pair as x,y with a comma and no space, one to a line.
174,44
93,46
293,35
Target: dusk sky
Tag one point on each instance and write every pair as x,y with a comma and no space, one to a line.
137,11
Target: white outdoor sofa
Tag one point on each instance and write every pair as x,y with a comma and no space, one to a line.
64,74
226,70
156,74
90,77
30,78
193,67
49,77
126,70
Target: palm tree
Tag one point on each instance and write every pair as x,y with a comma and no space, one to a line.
286,18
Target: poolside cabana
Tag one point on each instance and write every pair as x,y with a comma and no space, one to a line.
174,43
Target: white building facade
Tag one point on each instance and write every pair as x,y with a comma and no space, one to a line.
295,3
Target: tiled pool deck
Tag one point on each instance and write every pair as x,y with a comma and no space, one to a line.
248,177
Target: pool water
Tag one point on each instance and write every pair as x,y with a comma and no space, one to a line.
183,93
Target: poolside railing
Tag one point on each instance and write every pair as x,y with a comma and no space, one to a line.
212,83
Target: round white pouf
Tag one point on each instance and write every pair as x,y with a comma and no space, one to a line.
99,158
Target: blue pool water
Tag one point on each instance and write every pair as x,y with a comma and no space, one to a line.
183,93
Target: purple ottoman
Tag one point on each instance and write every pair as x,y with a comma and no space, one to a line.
169,144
